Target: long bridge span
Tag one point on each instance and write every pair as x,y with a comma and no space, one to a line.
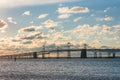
82,53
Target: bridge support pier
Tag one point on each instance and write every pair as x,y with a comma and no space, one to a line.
69,55
100,55
113,55
10,57
109,54
83,53
43,56
95,54
57,54
35,55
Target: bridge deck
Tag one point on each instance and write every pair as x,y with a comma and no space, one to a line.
30,54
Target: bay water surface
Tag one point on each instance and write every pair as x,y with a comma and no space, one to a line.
60,69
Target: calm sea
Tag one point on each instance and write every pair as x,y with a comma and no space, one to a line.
60,69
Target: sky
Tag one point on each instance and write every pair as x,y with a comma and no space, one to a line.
27,25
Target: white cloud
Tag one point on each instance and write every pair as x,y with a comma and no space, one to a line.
32,40
27,13
30,29
75,9
33,35
10,19
96,44
77,19
92,15
3,31
19,3
3,24
11,46
105,19
106,9
27,42
81,34
105,29
95,36
42,16
100,34
63,16
117,27
61,4
50,24
60,36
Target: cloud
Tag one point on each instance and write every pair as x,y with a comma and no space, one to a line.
32,36
42,16
106,9
30,29
77,19
105,19
3,31
61,4
50,24
3,24
75,9
12,46
15,40
19,3
85,30
27,42
100,34
95,36
92,15
60,36
64,16
117,27
96,44
105,29
27,13
29,36
10,19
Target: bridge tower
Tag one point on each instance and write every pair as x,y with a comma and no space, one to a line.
113,55
68,45
57,52
43,53
35,55
84,52
95,54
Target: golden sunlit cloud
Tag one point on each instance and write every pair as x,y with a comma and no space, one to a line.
10,19
42,16
3,24
63,16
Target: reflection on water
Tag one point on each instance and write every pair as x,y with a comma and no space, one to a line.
60,69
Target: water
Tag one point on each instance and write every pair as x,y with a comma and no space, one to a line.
60,69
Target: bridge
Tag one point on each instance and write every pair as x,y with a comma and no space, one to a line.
82,53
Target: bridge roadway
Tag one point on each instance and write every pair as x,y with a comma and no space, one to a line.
43,52
98,50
